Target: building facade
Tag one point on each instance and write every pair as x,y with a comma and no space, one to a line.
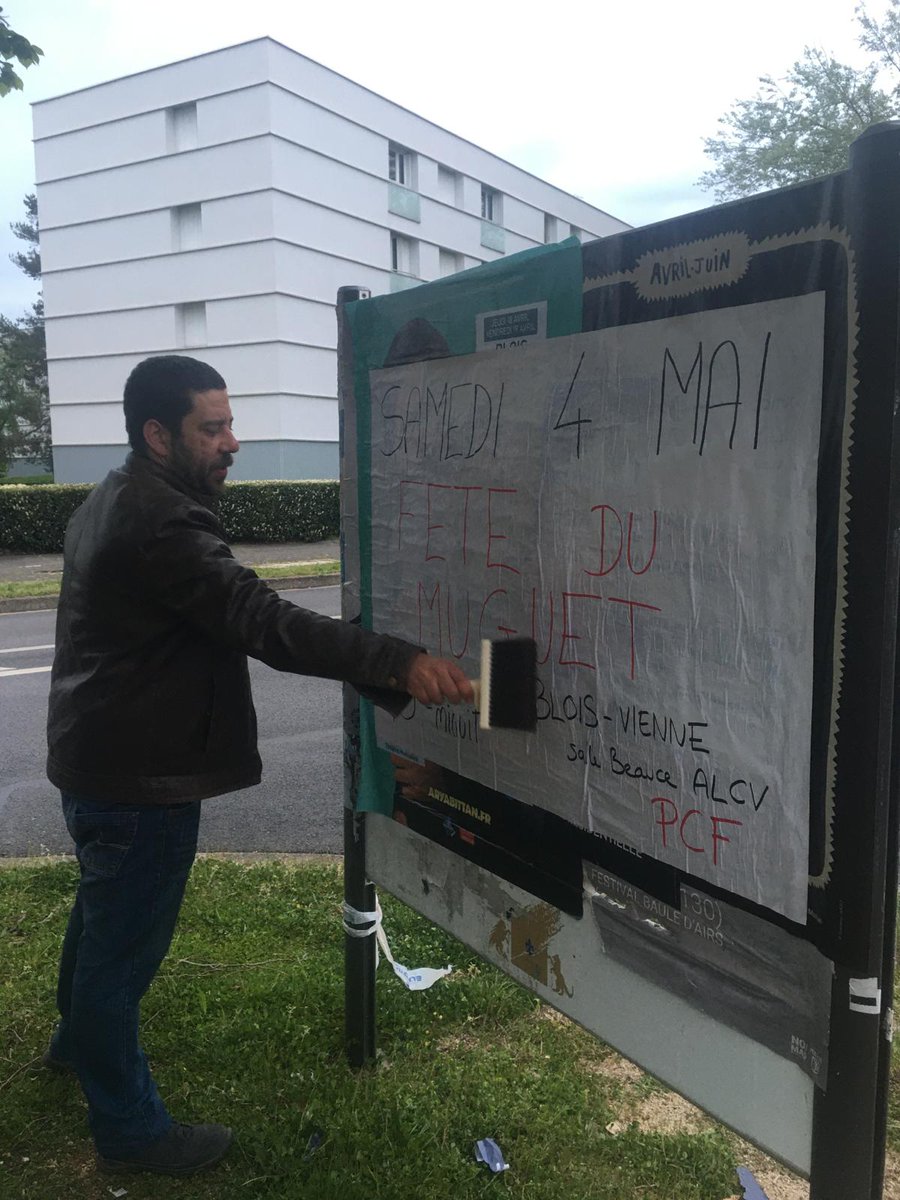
214,206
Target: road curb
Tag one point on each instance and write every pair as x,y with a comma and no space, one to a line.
291,582
13,604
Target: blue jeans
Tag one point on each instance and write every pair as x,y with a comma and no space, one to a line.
135,863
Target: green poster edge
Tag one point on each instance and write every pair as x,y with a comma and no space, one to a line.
552,273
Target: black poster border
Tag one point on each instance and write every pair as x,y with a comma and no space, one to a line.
798,244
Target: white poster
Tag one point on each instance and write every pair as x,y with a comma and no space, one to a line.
642,501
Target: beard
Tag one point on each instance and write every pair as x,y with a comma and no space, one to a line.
197,475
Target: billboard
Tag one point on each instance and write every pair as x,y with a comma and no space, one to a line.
668,457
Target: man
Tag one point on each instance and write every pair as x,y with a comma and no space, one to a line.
151,713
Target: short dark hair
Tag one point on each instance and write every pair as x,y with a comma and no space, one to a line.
162,389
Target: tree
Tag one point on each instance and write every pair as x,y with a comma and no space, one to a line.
14,48
24,407
28,260
24,397
801,126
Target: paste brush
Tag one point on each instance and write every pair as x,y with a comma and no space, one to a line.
506,693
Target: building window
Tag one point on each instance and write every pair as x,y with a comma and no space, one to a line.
190,324
401,166
450,186
187,227
549,228
490,205
181,127
450,261
404,255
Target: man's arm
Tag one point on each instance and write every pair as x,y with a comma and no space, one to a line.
192,573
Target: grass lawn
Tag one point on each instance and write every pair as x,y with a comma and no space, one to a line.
245,1025
13,589
288,570
50,587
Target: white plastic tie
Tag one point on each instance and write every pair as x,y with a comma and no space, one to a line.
364,924
361,924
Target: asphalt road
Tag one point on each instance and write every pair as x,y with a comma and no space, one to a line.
296,808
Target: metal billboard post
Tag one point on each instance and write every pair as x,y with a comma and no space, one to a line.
850,1118
359,893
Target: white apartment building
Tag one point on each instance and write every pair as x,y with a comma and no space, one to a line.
214,206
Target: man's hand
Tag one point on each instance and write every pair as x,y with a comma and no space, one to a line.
432,680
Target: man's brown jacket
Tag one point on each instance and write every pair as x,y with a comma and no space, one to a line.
150,694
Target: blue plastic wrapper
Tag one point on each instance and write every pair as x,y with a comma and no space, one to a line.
487,1151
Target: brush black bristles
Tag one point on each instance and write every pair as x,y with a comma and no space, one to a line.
509,684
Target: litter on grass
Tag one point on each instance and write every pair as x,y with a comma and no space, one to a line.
315,1141
752,1190
487,1151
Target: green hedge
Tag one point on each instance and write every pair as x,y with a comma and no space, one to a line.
280,511
33,518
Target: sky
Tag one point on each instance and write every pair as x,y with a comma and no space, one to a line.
608,99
